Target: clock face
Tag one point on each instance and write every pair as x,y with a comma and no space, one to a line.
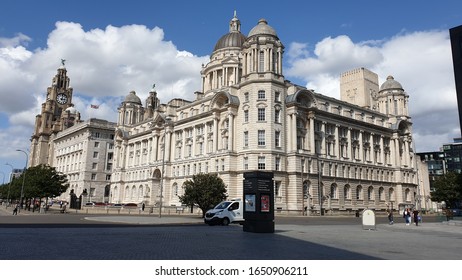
61,98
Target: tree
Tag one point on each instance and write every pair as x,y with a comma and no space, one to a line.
204,190
41,181
448,188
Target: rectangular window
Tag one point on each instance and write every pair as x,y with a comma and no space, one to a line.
201,148
109,166
277,166
262,62
277,139
277,188
261,94
277,116
94,165
277,96
246,97
95,154
93,176
246,163
246,116
108,177
261,114
261,163
261,138
300,142
246,138
96,144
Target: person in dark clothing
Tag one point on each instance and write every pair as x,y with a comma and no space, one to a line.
415,214
390,216
15,209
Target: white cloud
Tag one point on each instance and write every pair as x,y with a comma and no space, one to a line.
104,65
420,61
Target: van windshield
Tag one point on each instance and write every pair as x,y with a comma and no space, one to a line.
223,205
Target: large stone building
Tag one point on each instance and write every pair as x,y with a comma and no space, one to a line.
80,149
326,154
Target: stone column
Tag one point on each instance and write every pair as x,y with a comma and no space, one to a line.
312,139
323,138
231,131
294,131
382,151
349,144
215,133
156,147
336,144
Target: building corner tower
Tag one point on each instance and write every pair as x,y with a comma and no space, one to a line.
56,114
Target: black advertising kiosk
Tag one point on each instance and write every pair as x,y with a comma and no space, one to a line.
259,202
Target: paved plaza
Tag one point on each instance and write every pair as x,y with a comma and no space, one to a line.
54,236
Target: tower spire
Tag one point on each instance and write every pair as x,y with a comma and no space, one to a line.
235,24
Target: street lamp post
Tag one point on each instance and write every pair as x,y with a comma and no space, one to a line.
9,186
167,119
320,187
23,177
3,177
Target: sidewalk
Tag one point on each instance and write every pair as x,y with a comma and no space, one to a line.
148,220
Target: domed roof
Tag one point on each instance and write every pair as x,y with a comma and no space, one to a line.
390,83
132,98
262,28
232,39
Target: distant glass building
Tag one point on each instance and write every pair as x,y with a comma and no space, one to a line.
436,165
453,155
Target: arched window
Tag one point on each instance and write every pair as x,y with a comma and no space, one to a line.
359,193
147,192
407,195
381,194
333,191
346,192
370,193
140,193
391,194
175,190
115,194
306,189
127,192
133,196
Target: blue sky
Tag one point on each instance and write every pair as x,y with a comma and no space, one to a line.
113,47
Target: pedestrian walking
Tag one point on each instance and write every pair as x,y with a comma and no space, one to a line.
390,216
143,206
15,209
415,214
63,209
407,216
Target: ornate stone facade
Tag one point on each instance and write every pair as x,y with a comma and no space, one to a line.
326,154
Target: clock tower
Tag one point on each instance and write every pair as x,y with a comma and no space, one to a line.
57,114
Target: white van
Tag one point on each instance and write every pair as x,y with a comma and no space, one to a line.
225,212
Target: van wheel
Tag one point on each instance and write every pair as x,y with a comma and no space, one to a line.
225,222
